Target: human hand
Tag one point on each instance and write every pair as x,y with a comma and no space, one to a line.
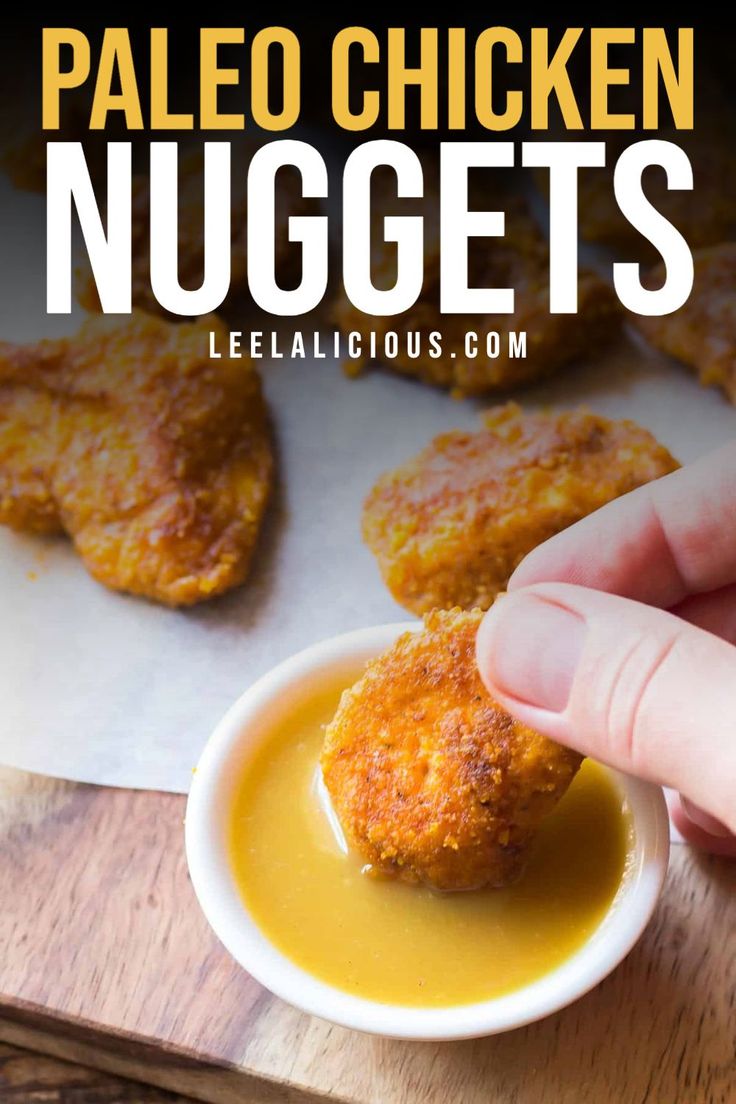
617,638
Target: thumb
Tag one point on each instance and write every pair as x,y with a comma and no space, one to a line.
628,684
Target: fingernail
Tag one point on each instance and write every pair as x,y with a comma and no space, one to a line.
529,649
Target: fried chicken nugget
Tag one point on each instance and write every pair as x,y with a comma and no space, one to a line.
432,781
519,260
705,214
702,333
449,526
191,231
156,460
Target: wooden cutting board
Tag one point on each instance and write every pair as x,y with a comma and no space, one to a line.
105,959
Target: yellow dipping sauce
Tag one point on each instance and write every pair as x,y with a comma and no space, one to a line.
390,942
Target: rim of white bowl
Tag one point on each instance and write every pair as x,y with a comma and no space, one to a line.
235,738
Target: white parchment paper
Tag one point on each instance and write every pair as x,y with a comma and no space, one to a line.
103,688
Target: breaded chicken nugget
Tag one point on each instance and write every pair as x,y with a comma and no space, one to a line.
155,459
518,260
702,333
449,526
705,214
289,201
431,779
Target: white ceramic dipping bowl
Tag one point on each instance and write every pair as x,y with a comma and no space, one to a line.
252,720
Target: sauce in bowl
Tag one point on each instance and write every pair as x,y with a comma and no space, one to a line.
385,941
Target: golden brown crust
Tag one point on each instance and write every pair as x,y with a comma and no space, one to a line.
519,260
702,333
432,780
449,526
155,459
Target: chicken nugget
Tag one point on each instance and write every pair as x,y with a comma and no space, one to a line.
431,780
155,459
704,214
702,333
449,526
518,260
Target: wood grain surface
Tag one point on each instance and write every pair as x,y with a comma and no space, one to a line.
27,1078
106,960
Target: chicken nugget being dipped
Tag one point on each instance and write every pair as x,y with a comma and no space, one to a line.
449,526
155,459
431,780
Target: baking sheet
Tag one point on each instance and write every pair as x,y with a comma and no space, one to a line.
99,687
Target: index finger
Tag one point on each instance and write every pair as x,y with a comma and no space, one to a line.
660,543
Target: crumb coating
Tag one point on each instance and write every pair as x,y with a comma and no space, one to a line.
449,527
155,459
432,781
702,333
